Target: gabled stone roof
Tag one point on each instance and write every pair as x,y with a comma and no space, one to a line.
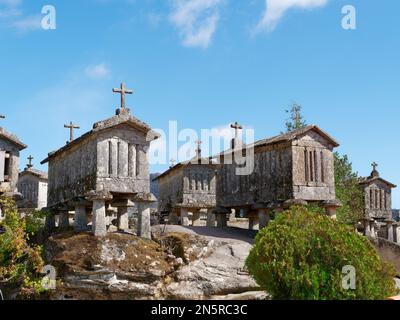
286,137
290,136
123,118
371,179
35,172
12,138
207,162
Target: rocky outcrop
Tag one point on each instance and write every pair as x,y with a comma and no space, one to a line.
174,266
218,271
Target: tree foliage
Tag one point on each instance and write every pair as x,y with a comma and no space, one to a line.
301,255
296,119
348,191
20,262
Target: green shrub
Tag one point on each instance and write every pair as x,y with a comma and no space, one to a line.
300,255
20,263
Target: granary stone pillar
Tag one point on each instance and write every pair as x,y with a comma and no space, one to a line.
144,214
372,229
263,218
143,225
331,207
50,222
389,227
81,220
232,216
210,218
63,219
99,198
196,218
122,213
367,226
253,222
398,233
184,217
221,220
173,217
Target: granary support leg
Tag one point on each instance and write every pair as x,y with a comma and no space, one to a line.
144,226
331,207
210,218
367,227
184,217
50,223
389,226
398,233
99,198
196,218
122,213
80,218
221,220
173,217
263,218
373,230
253,222
122,219
99,226
63,219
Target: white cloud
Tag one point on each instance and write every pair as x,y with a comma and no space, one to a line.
28,23
196,20
98,71
275,10
9,8
12,16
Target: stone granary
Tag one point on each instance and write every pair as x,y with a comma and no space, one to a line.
105,168
188,187
378,220
10,147
32,184
292,168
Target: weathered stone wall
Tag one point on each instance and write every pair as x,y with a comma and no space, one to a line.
122,161
388,251
378,200
299,169
34,191
199,186
11,185
170,189
72,173
313,168
271,179
191,186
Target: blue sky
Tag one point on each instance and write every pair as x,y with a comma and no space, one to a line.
205,63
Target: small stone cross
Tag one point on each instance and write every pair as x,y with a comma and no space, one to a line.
172,163
198,150
123,91
237,127
374,165
30,165
71,128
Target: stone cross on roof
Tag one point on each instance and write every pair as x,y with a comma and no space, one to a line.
198,150
123,91
374,172
30,165
172,163
71,128
237,127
